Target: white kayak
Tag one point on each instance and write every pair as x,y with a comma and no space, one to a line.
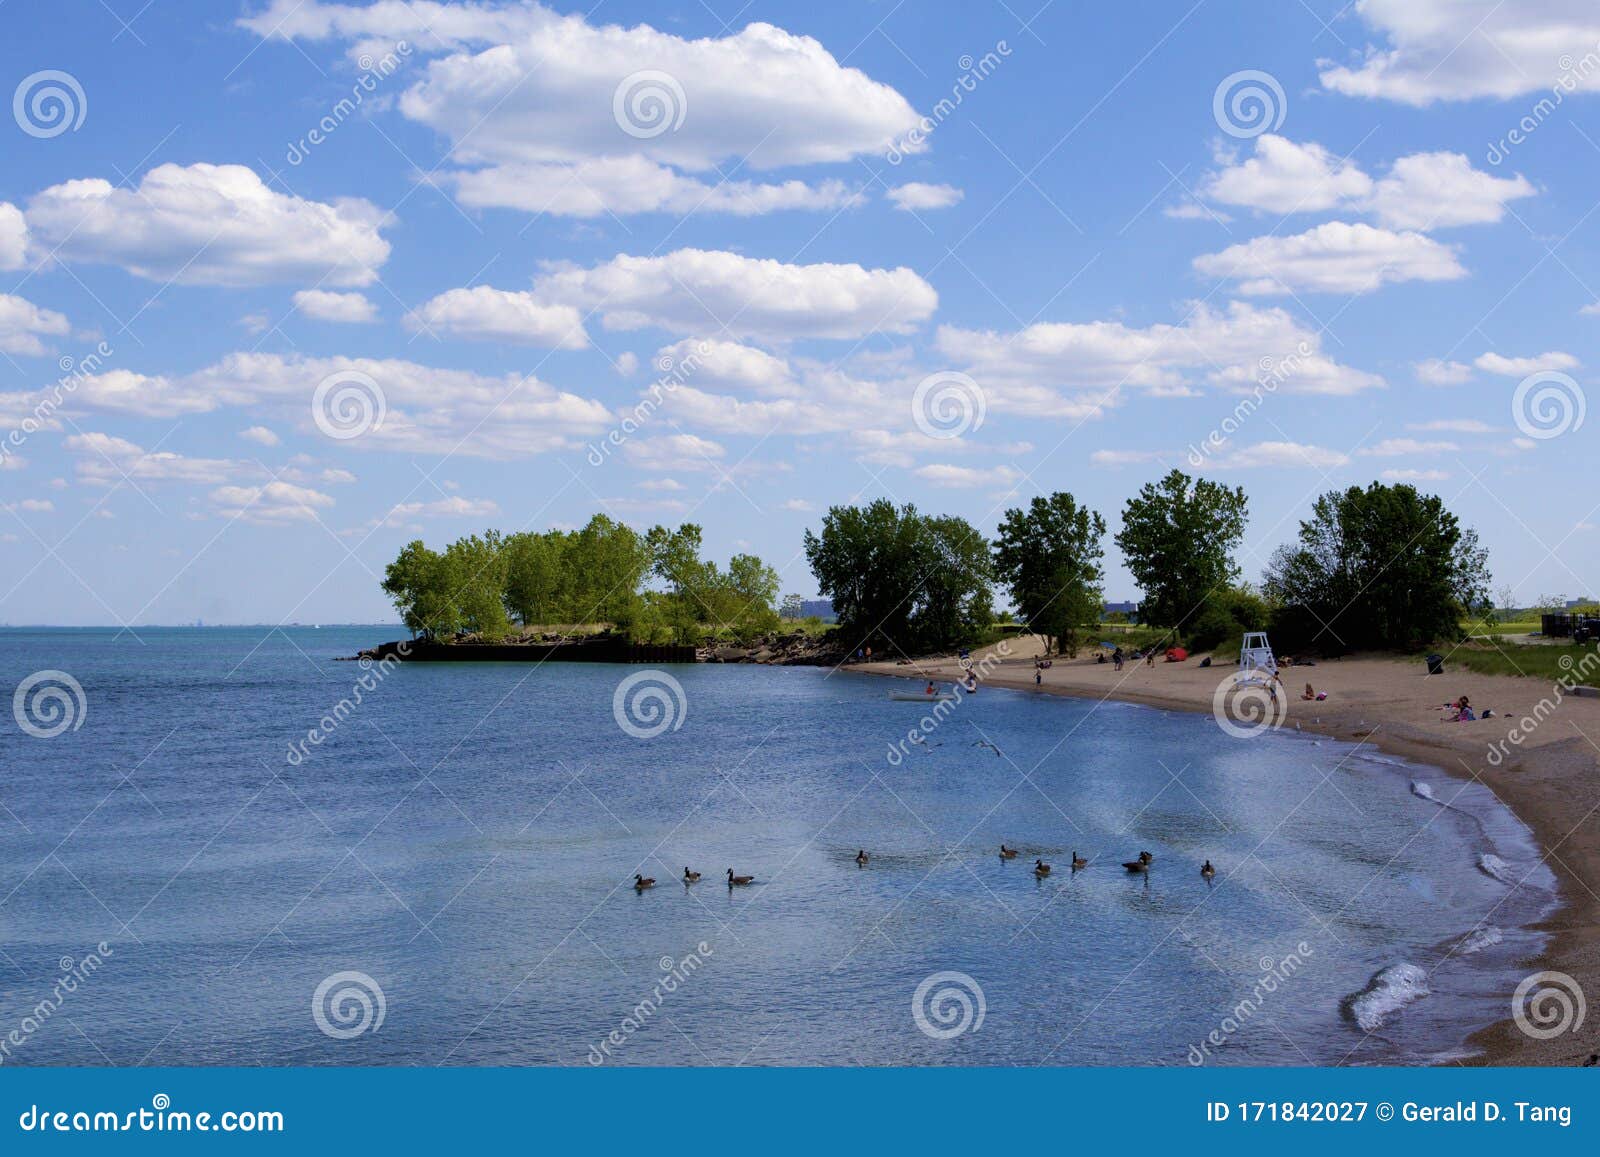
921,697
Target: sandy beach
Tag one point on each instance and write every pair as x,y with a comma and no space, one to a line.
1550,780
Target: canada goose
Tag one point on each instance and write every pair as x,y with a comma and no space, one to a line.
740,880
862,858
640,883
1139,865
1207,870
690,877
1007,853
1078,862
1040,868
1146,858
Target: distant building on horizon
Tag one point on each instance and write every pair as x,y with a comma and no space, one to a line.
819,609
1130,609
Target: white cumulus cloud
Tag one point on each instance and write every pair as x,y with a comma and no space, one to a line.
210,225
1335,257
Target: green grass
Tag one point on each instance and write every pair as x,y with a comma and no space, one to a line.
1546,662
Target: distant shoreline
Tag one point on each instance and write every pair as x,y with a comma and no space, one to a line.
1549,782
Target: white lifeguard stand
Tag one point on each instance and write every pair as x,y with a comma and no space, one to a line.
1256,661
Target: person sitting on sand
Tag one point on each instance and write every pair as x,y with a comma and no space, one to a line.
1310,694
931,688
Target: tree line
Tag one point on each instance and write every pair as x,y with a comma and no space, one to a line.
1380,567
483,584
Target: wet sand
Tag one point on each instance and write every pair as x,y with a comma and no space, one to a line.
1551,780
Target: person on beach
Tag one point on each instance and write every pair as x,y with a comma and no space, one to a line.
1038,677
1310,694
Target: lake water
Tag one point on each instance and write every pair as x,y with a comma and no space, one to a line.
464,842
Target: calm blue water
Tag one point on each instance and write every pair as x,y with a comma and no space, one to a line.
468,835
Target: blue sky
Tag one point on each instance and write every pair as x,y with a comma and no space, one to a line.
1068,278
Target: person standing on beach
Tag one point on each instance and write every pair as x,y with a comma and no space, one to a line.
1038,677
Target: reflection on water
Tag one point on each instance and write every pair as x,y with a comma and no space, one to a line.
459,850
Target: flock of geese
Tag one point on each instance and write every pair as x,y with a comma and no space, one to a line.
1040,869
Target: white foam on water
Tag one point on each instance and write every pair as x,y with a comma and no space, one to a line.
1479,939
1494,867
1422,790
1390,990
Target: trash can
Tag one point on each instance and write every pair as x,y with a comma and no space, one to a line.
1436,664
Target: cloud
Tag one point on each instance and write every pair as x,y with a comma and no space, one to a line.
1405,447
712,291
1434,50
1493,363
105,460
1334,257
428,410
32,505
412,514
13,237
1454,426
23,326
797,504
485,314
661,484
274,503
260,435
1115,458
1423,191
1436,190
210,225
546,112
1278,455
1284,177
1073,369
914,196
1436,372
323,305
951,477
730,365
674,452
1415,475
624,185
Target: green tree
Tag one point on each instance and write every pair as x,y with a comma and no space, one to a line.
1048,557
902,580
1178,537
475,571
417,585
537,578
1381,568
